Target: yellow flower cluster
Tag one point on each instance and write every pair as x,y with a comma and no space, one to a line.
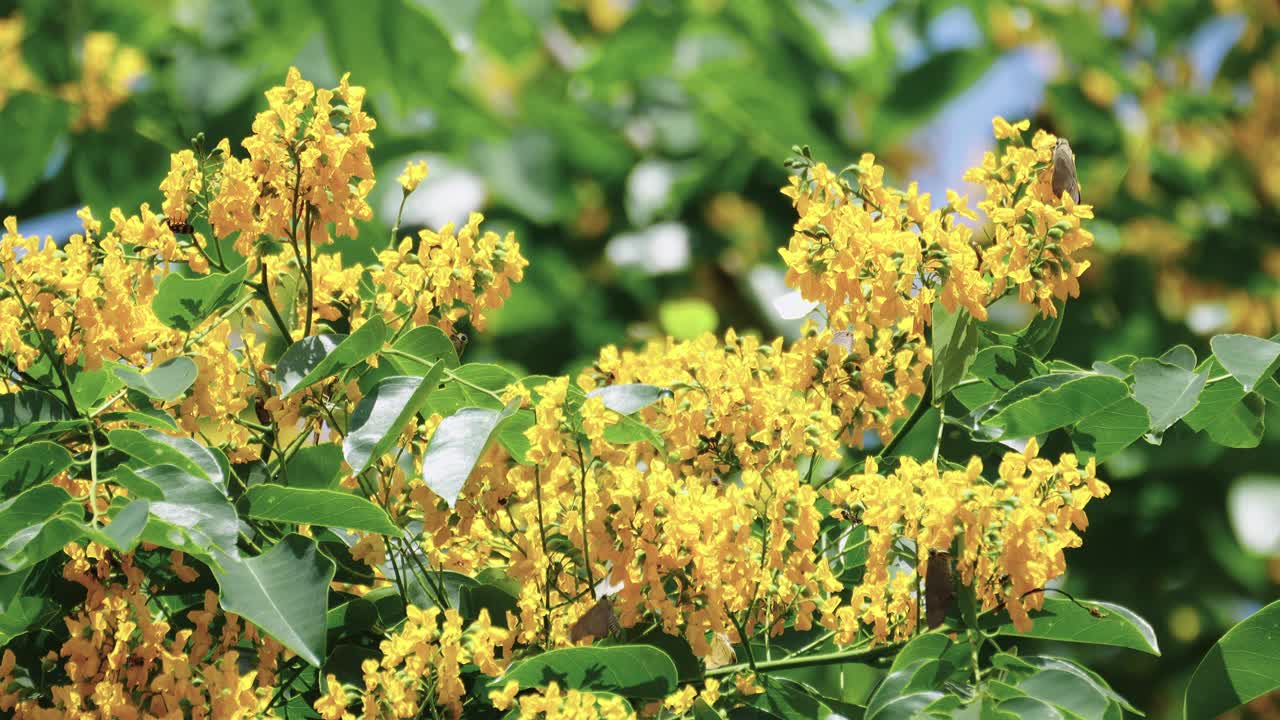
1036,237
108,70
1010,534
308,170
421,664
552,703
122,661
449,275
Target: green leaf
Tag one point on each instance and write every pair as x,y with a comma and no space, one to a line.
1228,415
472,385
146,446
125,529
312,359
473,599
1039,336
185,303
1249,359
628,399
1167,391
905,707
1180,356
195,514
1064,621
27,412
920,438
427,344
149,417
999,368
382,414
88,387
1029,708
314,466
511,435
457,445
329,508
37,542
165,382
31,465
1067,691
284,591
1242,665
639,671
789,699
30,509
1052,401
955,340
1110,430
29,128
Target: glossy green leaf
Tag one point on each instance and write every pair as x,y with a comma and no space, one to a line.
955,341
146,446
1167,391
30,465
426,344
165,382
457,445
185,303
151,417
196,514
314,466
1242,665
284,591
382,414
1249,359
472,385
1064,621
1067,691
1029,708
789,699
312,359
125,529
30,509
327,508
639,671
919,439
1180,356
628,399
905,707
1228,415
37,542
1111,429
511,435
1052,401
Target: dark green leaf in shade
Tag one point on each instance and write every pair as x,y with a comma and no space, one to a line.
955,340
314,466
312,359
30,465
920,438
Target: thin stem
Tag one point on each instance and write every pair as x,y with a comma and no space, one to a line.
54,362
586,549
264,292
542,529
310,267
789,663
395,229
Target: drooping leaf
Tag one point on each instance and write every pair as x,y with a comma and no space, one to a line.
166,381
194,514
327,508
955,341
456,446
312,359
125,529
639,671
30,465
1052,401
284,591
184,303
1167,391
1249,359
381,415
628,399
1064,621
1242,665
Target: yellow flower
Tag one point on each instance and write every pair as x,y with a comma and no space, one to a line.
333,704
1004,130
414,173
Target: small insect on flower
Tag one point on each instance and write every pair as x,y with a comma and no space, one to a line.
598,622
459,341
179,227
1064,171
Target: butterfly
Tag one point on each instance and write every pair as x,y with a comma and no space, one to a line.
721,652
1064,171
600,621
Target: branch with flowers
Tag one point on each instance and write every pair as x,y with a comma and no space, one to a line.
244,476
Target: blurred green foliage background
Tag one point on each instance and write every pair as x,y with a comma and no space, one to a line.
636,148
